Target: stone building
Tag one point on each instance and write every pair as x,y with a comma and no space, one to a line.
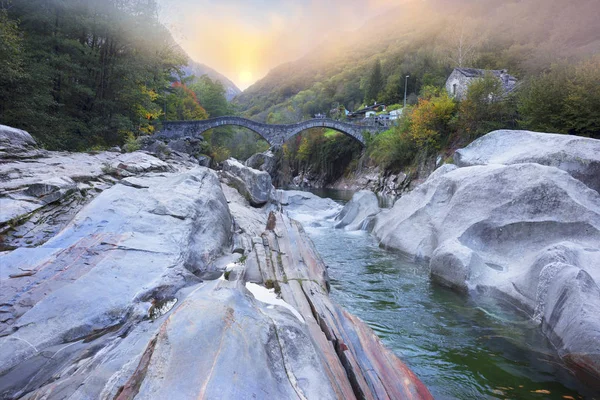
459,80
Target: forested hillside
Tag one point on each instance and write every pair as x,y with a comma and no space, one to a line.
84,74
426,39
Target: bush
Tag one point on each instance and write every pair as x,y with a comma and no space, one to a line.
394,148
131,143
432,119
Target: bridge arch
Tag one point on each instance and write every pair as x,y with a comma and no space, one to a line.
273,134
174,129
351,130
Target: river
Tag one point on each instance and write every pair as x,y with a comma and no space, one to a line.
462,347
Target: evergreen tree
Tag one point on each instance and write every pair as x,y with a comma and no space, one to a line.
375,84
96,71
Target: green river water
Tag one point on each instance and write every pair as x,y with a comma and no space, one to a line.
462,347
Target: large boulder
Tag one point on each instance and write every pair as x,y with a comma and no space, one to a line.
16,143
577,155
253,184
177,149
269,161
307,207
530,232
358,213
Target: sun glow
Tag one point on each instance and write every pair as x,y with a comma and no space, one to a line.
243,40
246,78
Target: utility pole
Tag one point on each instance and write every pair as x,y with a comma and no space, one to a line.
405,83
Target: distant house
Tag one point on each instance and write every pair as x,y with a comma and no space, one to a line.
367,111
459,80
394,115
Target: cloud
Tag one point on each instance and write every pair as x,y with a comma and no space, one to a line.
245,39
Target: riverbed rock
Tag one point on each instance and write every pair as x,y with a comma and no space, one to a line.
120,304
128,250
268,161
355,363
358,213
41,192
579,156
307,207
253,184
512,230
17,143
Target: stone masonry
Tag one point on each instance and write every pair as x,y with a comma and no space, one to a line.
273,134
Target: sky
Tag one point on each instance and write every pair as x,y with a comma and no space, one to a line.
244,39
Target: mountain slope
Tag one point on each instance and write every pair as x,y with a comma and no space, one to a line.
421,39
197,69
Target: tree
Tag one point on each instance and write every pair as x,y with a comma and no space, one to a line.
566,99
486,108
211,94
183,105
375,84
94,71
394,89
540,101
582,103
430,120
11,55
462,42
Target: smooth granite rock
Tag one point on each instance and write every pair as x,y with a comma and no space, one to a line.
254,185
579,156
126,251
358,213
17,143
269,161
530,232
40,193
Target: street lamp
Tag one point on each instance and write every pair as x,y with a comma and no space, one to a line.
405,83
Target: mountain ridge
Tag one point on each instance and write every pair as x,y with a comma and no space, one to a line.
198,69
416,39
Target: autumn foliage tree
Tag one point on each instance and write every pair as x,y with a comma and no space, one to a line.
431,119
183,104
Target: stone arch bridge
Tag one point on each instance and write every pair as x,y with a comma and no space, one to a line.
273,134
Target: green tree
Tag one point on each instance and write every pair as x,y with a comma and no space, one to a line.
566,99
582,104
375,83
486,108
183,105
211,94
11,56
94,71
540,101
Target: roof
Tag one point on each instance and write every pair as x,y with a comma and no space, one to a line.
474,72
367,109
